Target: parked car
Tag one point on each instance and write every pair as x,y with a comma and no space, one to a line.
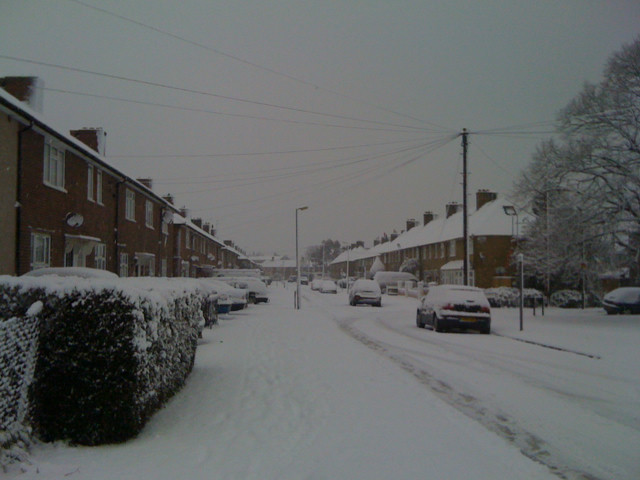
257,291
328,286
304,280
230,299
365,291
316,284
385,278
622,300
446,307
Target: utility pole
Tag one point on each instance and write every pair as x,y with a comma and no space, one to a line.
465,220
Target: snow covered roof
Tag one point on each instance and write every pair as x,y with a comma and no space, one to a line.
278,263
490,219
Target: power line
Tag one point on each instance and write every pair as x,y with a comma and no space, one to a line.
283,152
214,112
251,64
209,94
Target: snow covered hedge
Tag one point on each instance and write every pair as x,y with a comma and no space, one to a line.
510,297
109,353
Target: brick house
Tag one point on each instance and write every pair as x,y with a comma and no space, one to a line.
437,246
62,204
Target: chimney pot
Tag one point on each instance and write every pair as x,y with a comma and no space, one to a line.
453,208
483,197
94,138
428,217
147,182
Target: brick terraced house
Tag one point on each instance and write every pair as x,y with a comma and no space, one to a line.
62,204
436,247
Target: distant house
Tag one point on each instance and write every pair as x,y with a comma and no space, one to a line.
62,204
437,246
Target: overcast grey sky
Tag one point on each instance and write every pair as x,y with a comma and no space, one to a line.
373,94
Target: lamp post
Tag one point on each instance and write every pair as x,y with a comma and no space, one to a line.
297,302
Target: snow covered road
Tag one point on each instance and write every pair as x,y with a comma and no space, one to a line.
566,390
283,394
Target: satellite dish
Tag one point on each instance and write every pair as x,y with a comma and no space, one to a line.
74,219
167,216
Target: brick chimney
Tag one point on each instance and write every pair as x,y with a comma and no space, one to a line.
168,198
393,236
229,243
428,217
184,211
147,182
206,226
26,89
197,222
483,197
94,138
453,208
411,223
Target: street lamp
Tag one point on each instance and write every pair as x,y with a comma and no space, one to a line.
297,302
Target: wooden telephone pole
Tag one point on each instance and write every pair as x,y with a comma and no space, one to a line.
465,221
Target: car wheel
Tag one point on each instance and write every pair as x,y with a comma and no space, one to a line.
486,330
419,324
436,324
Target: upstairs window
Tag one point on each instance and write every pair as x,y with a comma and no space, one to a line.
452,248
53,172
90,191
130,205
99,187
148,214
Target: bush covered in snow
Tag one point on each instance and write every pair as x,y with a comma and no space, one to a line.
110,352
573,299
510,297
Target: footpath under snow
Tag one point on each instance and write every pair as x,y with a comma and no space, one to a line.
283,394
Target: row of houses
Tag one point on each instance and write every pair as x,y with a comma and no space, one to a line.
63,204
435,249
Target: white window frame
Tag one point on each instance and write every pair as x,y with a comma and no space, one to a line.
123,265
452,248
148,214
40,250
100,256
99,186
53,164
90,184
130,205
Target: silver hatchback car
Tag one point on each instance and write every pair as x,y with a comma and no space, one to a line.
365,291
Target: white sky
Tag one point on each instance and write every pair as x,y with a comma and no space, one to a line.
440,65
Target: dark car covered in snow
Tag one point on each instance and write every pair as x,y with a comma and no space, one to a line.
622,300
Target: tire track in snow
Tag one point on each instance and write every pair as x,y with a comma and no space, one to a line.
498,422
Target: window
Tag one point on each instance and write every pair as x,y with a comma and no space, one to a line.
442,250
100,258
123,269
452,248
163,267
90,191
148,214
40,250
53,174
99,187
130,205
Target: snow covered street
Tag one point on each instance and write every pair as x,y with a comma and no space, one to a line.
338,392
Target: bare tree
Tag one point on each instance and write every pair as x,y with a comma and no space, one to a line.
584,188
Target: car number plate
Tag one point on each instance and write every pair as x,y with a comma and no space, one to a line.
468,319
